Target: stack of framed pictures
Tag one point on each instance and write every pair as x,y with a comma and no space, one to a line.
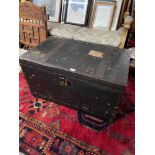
69,11
97,14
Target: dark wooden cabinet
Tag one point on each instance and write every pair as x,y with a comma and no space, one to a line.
80,75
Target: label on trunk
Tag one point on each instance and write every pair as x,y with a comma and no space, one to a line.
96,54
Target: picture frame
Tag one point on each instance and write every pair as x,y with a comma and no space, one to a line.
122,12
77,12
53,8
116,14
63,11
102,15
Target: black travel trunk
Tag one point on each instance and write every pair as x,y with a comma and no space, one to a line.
83,76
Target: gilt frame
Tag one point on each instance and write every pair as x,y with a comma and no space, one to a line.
94,14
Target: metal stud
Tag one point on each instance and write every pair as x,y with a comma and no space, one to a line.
108,104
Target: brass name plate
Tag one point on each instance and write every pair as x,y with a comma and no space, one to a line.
96,54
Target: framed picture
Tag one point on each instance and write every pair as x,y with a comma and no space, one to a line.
122,12
53,8
77,12
63,11
102,15
117,14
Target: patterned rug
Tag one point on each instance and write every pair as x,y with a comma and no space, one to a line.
130,42
50,129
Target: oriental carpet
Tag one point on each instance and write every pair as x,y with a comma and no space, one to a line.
47,128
